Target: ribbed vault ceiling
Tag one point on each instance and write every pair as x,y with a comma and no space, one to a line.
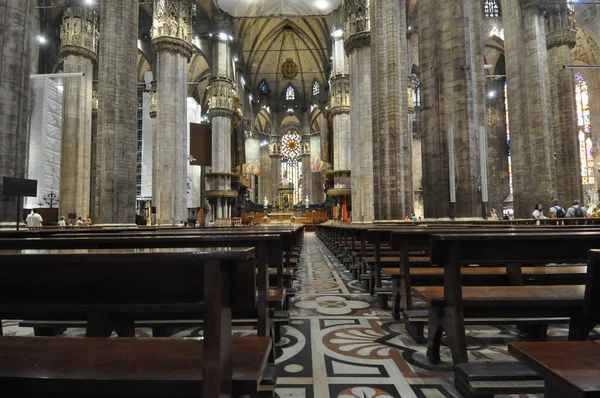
264,8
268,43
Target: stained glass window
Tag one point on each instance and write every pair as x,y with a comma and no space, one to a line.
491,9
291,167
586,155
510,179
262,87
290,93
316,88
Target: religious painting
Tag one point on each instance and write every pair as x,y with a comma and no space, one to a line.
252,165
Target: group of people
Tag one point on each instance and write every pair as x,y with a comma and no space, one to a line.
557,211
80,222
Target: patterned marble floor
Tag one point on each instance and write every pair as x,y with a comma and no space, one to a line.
342,344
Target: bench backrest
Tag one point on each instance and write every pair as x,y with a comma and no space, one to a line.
76,282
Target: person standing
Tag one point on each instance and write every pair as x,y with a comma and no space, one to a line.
576,210
556,211
61,223
538,213
494,215
34,219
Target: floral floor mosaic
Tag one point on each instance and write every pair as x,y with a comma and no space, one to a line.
342,344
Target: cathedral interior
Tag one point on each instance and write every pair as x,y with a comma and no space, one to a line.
408,115
162,113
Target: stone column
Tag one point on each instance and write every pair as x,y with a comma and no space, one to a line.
340,105
417,160
275,155
532,144
222,102
171,38
358,48
306,166
560,40
19,26
497,144
452,108
94,147
79,42
392,160
117,113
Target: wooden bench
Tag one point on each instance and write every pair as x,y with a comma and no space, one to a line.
451,304
570,369
113,288
268,248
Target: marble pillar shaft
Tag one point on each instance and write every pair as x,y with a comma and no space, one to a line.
342,154
19,24
170,131
221,145
392,164
452,108
275,177
76,142
361,141
497,145
532,144
117,113
560,39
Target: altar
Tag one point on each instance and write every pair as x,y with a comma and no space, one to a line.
281,218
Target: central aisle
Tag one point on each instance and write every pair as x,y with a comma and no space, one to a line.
340,343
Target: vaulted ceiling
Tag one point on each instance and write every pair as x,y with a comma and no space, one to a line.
287,8
267,43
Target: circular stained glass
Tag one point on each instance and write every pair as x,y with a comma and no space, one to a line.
290,145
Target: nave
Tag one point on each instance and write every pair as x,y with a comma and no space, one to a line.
341,343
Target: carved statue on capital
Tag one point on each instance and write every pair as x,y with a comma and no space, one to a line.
560,25
222,97
357,16
340,95
79,33
275,147
171,27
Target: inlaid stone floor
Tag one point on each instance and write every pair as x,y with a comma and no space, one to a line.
342,344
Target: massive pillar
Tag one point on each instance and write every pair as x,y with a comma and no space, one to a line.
223,102
19,25
340,105
560,40
358,48
79,41
117,113
306,167
452,108
171,38
499,183
275,155
392,160
532,144
340,114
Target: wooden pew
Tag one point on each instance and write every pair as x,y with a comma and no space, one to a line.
111,289
451,304
405,274
268,249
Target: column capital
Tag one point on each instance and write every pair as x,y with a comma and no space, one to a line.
222,100
79,33
560,26
340,94
539,4
356,13
171,27
274,147
357,40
